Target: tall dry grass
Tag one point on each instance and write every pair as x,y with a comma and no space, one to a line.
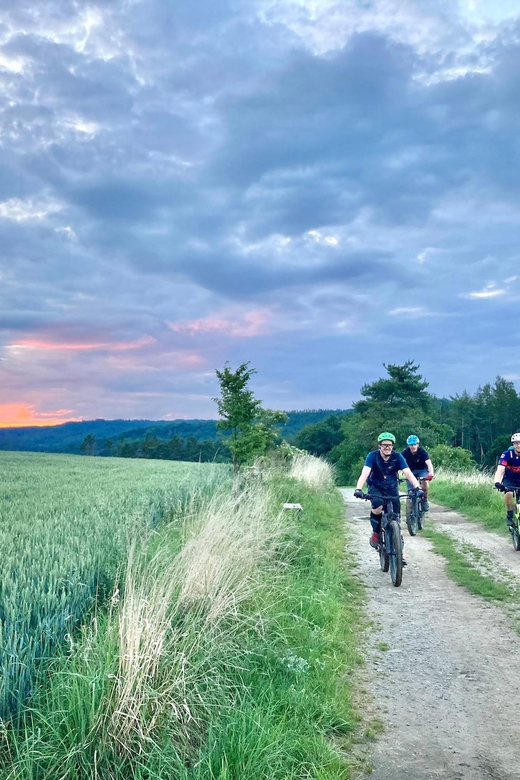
464,478
174,606
314,472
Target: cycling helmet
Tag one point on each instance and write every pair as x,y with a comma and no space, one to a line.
515,437
385,436
412,439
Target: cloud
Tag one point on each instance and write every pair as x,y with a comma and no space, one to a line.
186,184
249,325
105,346
490,291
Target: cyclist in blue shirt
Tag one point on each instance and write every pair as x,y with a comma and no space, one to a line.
420,464
380,471
507,476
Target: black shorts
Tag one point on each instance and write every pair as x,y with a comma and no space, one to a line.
377,502
510,485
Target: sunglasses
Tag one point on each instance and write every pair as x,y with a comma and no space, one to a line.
386,446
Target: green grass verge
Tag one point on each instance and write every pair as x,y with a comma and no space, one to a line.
475,500
274,698
462,571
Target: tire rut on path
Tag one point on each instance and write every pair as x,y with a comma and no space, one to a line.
448,687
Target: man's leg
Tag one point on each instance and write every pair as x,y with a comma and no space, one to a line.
375,520
425,486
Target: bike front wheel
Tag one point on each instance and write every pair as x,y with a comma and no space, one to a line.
412,521
396,553
516,532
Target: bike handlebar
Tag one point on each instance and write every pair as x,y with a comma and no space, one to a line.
503,489
367,497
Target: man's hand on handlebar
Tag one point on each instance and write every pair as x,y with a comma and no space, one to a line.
416,493
499,486
358,493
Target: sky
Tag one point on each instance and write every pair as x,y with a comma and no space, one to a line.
318,187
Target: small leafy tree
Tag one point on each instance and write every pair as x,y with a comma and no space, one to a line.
89,445
251,430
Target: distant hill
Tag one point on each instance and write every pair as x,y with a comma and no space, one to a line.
69,436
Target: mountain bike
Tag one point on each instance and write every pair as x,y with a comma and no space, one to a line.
390,545
415,511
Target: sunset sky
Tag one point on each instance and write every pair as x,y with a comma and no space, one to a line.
315,186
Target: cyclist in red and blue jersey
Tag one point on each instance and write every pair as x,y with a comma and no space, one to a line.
380,470
507,475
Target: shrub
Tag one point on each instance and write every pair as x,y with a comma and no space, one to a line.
452,458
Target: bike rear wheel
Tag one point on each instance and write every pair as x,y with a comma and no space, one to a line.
412,520
396,553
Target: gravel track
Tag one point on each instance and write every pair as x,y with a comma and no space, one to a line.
448,687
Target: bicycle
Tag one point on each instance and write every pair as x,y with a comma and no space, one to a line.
514,529
390,545
415,510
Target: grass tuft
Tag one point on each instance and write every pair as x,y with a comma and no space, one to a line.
315,472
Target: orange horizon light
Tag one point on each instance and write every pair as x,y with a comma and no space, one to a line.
26,416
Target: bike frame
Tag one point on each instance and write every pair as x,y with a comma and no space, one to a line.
387,517
386,546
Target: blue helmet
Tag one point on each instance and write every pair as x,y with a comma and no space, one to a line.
412,440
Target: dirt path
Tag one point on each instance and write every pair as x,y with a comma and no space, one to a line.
448,687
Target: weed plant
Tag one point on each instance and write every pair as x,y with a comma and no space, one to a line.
227,655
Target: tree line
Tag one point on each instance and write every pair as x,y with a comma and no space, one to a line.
463,430
175,448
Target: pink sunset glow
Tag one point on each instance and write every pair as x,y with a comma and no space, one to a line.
249,325
112,346
23,415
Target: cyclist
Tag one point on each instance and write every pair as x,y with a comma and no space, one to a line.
380,470
420,464
507,476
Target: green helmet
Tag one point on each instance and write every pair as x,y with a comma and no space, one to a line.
385,436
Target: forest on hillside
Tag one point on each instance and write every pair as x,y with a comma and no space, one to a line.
195,439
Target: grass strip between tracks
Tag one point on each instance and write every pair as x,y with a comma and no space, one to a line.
463,571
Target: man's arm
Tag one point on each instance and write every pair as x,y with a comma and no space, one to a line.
365,473
499,473
410,477
429,466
